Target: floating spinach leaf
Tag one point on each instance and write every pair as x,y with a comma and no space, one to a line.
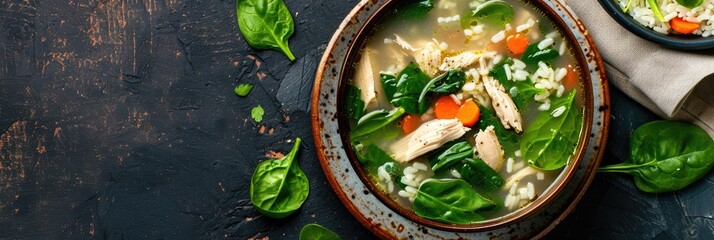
372,157
480,175
549,142
243,89
266,24
449,155
410,83
522,92
447,83
257,113
316,232
533,55
667,156
389,84
355,105
374,121
278,186
507,138
415,10
494,12
690,3
450,201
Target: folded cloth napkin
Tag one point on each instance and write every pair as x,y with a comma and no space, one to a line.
673,84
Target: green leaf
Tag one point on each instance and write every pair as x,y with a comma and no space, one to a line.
257,113
690,3
655,9
450,201
415,10
243,89
316,232
374,121
278,186
372,157
266,24
522,92
450,82
355,105
549,141
480,175
411,82
494,12
389,84
533,55
667,156
507,138
450,154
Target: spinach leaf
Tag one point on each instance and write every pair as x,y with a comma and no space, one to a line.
355,105
374,121
316,232
522,92
411,81
508,139
690,3
667,156
278,186
493,12
533,55
415,10
480,175
372,157
447,83
257,113
266,24
389,84
449,155
450,201
549,141
243,89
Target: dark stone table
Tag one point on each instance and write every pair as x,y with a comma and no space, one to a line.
118,121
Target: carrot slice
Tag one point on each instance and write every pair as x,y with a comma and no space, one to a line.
410,122
682,26
517,43
468,114
445,108
571,79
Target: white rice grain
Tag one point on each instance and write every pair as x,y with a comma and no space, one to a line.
545,43
498,37
560,91
518,64
517,153
540,176
531,190
455,173
557,112
411,189
509,165
410,170
513,188
560,74
523,193
508,71
544,107
420,166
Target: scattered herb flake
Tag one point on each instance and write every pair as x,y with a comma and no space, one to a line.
243,89
257,113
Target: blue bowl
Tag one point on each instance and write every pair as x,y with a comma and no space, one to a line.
682,42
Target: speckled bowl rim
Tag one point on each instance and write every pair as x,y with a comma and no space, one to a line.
332,155
680,42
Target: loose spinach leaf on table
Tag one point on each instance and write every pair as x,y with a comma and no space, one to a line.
522,92
479,174
495,12
317,232
266,24
533,55
507,138
549,141
667,156
278,186
354,103
415,10
374,121
450,201
411,81
450,154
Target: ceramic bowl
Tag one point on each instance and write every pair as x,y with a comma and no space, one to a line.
682,42
376,211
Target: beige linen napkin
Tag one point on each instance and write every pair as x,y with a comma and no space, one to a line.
674,84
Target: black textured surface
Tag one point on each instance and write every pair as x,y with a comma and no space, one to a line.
118,121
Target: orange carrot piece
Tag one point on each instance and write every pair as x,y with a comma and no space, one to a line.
517,43
410,122
445,108
682,26
571,79
469,113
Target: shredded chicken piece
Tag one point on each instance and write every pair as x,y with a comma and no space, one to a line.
429,58
404,44
429,136
506,110
365,80
460,61
489,149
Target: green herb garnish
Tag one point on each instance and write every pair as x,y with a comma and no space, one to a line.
243,89
257,113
